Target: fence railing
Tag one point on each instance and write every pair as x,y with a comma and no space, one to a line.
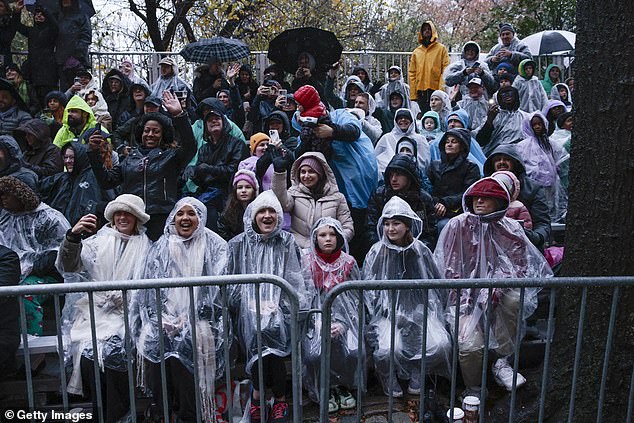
56,290
555,284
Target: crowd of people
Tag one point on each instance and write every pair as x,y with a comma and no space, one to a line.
456,173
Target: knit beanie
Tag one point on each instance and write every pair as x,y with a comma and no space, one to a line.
506,27
247,176
308,97
128,203
257,139
313,164
488,187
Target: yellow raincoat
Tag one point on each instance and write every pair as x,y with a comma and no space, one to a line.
427,64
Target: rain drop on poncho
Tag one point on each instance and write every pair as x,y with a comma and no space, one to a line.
414,261
108,255
327,271
204,253
481,247
276,254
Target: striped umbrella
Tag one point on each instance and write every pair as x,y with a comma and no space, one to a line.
221,48
548,42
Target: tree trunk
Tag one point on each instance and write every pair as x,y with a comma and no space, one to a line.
600,222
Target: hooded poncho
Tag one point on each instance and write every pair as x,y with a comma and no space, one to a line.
326,272
386,260
203,253
277,254
108,255
487,246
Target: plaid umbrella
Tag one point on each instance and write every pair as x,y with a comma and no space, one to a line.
322,45
221,48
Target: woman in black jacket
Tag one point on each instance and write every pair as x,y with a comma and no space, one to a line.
152,170
452,174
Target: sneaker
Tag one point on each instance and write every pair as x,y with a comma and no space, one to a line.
472,391
333,405
397,391
345,399
255,412
503,373
279,412
413,387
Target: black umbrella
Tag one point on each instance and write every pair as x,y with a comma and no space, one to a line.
322,45
221,48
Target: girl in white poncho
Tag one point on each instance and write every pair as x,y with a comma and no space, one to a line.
186,249
113,253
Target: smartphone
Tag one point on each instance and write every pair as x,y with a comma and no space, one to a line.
266,90
76,80
283,92
274,135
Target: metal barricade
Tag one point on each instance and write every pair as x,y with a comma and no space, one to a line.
555,284
127,288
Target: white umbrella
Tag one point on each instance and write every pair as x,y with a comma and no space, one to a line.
548,42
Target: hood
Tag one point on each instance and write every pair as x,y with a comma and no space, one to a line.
462,116
467,203
404,164
434,115
414,145
14,154
474,44
101,107
462,135
226,126
516,98
510,181
547,73
201,211
76,102
508,150
434,32
166,124
371,103
142,84
172,63
8,86
527,127
212,103
105,86
522,65
446,101
58,95
505,65
265,200
281,116
397,207
82,161
398,132
336,225
554,92
400,71
351,80
357,69
552,103
38,129
331,181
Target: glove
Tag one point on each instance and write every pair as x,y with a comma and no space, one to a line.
279,164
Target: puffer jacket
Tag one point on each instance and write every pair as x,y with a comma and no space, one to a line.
42,157
304,208
153,176
427,64
451,179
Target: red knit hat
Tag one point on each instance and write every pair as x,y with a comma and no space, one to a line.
488,187
308,97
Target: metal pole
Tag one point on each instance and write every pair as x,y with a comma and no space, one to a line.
60,349
549,341
575,367
192,323
128,351
608,351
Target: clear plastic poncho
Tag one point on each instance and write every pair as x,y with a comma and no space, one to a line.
385,149
34,235
275,254
482,247
386,260
204,253
106,256
326,274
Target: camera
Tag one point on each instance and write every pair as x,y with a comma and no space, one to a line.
309,121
